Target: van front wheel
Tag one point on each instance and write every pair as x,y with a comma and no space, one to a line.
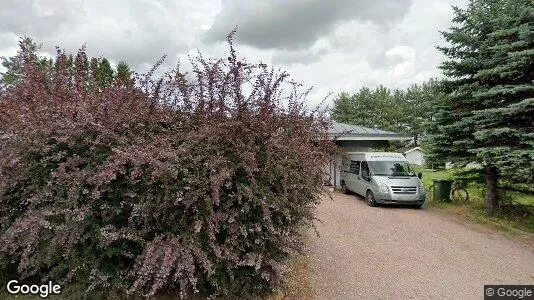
370,199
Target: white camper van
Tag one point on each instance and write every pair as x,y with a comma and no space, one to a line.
382,178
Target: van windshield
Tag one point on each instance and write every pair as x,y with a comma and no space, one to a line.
391,168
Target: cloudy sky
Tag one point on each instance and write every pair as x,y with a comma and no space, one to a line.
332,45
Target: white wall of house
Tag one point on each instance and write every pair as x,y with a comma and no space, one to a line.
415,157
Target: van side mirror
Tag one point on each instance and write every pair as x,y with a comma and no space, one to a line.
420,175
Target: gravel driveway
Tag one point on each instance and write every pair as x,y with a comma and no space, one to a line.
399,253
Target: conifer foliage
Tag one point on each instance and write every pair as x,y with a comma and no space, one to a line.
99,72
488,114
189,183
404,111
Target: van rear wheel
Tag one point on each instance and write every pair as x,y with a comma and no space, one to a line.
344,187
370,199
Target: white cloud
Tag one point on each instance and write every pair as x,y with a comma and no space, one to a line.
137,31
334,46
407,60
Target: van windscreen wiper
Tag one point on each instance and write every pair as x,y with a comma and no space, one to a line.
402,174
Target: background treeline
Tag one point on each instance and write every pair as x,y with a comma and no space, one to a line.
100,72
405,111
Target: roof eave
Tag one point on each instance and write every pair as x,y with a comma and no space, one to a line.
413,149
374,137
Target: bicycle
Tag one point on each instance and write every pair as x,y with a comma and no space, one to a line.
458,193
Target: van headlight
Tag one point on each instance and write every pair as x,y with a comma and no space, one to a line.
421,188
383,188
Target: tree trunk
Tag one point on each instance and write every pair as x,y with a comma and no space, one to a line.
492,192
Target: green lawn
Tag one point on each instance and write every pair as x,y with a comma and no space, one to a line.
523,198
429,176
512,217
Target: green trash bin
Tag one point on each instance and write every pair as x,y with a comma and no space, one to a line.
441,190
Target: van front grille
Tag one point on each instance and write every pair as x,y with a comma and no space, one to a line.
404,190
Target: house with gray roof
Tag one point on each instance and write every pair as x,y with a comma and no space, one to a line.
354,138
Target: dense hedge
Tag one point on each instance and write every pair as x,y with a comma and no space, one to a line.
197,182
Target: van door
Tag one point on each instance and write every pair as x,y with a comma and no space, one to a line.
353,174
363,179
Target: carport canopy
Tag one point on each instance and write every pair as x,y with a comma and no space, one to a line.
348,132
354,138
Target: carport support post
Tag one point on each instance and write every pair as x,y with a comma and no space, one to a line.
330,171
335,174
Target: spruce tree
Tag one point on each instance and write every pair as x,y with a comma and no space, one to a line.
124,74
14,65
487,115
105,73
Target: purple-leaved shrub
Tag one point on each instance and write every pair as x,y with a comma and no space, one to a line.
193,183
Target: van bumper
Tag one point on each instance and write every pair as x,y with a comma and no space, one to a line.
400,199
